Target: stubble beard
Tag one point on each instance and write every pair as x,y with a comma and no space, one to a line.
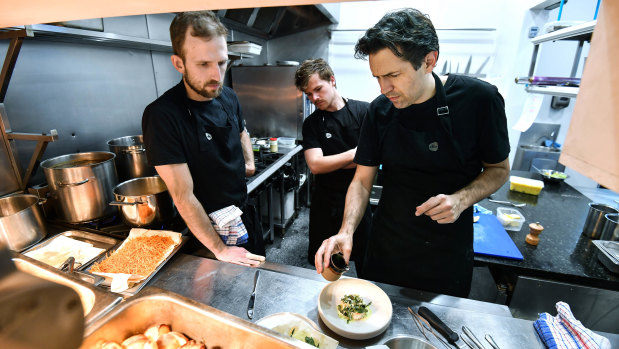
202,90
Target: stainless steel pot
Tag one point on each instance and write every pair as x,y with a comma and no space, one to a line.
81,185
144,201
595,219
21,221
130,157
610,231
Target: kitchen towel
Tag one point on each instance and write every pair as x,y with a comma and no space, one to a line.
565,332
228,224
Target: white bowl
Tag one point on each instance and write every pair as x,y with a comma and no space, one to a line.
376,323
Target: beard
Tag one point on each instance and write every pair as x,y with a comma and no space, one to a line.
202,90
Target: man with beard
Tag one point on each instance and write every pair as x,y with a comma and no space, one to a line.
330,137
195,137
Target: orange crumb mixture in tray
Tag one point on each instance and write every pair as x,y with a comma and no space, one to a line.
138,256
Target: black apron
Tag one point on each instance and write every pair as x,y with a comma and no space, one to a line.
329,197
220,145
411,251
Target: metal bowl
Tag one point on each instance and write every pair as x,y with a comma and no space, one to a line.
553,176
407,342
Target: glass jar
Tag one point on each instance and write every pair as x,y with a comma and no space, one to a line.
273,144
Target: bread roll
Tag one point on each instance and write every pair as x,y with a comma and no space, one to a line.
139,341
171,340
156,331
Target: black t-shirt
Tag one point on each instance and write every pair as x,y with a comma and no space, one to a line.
479,125
173,127
335,132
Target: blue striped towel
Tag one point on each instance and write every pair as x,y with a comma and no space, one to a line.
228,224
565,332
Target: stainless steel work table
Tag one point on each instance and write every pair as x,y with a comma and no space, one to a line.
284,288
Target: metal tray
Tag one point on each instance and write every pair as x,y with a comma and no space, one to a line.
609,254
131,291
98,241
201,322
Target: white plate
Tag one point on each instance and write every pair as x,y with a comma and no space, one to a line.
270,321
380,309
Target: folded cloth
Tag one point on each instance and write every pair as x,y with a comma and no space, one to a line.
228,224
564,331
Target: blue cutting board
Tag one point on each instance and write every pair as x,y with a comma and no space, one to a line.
491,239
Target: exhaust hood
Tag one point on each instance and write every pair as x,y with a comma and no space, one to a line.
272,22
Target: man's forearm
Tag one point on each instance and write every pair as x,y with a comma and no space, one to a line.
330,163
356,203
248,154
491,179
200,224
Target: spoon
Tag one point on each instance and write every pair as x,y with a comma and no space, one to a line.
507,203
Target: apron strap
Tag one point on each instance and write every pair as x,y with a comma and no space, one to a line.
442,111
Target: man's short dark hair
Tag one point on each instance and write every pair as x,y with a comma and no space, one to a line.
308,68
408,33
204,24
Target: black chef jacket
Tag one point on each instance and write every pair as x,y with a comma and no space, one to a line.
335,133
435,147
174,133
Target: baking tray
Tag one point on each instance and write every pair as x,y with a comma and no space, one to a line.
609,254
131,291
98,241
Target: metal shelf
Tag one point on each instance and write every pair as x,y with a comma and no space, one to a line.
576,32
82,36
561,91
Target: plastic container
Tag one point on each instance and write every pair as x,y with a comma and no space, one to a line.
286,142
510,218
525,185
273,144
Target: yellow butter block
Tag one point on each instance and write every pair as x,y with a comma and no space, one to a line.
525,185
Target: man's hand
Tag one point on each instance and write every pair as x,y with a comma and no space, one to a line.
250,169
340,242
239,255
441,208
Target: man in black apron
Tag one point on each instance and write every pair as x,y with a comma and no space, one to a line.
330,137
443,146
195,137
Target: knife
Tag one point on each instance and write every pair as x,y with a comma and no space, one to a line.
440,326
252,298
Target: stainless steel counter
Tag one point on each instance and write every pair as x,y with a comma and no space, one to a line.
291,289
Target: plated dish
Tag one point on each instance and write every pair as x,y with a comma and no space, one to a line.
376,304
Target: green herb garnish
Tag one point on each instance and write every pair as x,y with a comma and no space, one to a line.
353,308
310,341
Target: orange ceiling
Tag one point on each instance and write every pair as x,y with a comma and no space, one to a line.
17,13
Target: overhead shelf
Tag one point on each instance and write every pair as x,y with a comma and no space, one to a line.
82,36
561,91
576,32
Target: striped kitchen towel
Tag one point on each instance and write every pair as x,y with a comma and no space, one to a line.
228,224
565,332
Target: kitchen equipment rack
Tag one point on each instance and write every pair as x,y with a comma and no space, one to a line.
581,33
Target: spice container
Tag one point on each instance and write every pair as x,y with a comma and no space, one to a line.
337,267
273,144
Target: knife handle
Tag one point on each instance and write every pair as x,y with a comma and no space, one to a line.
439,325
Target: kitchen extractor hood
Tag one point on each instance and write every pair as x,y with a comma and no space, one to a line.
272,22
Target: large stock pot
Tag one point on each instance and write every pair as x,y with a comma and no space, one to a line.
21,221
81,185
130,157
144,201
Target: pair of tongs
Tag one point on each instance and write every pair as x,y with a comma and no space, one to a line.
423,326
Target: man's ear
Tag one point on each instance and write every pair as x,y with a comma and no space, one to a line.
332,80
430,60
178,63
